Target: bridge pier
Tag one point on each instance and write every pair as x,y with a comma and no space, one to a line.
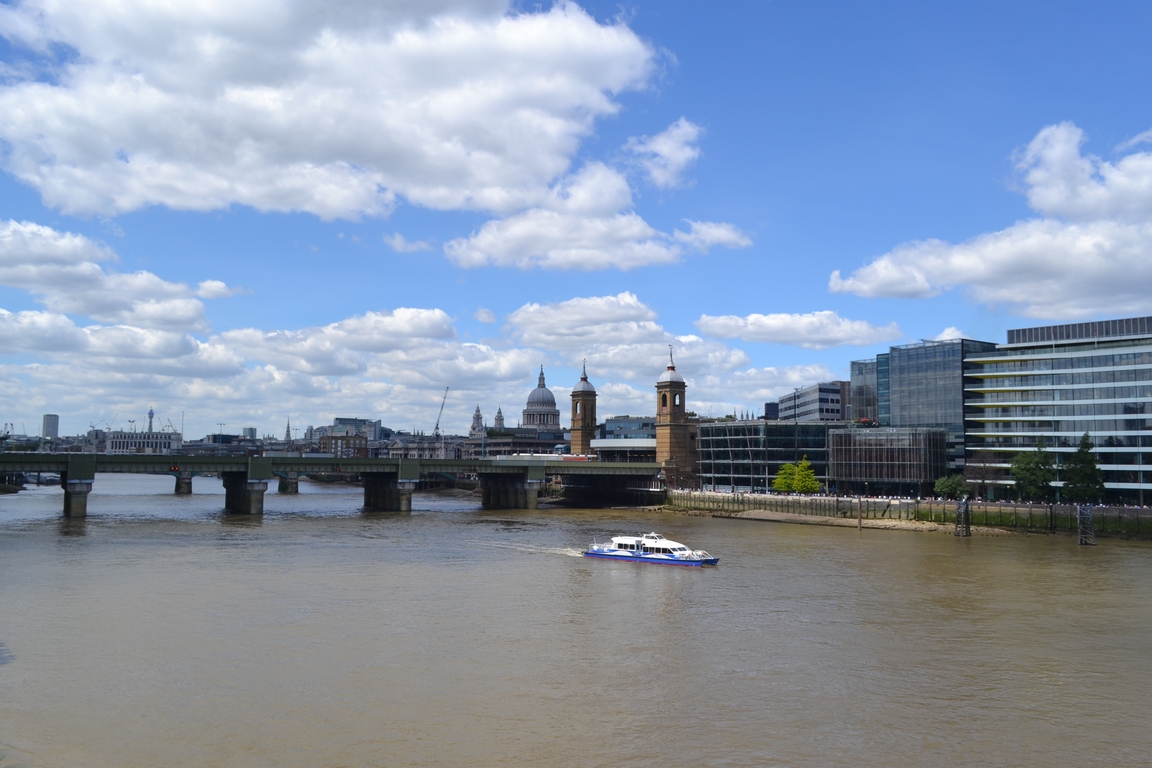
184,483
509,492
242,495
289,483
384,491
76,497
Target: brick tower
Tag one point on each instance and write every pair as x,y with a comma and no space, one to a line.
674,443
583,415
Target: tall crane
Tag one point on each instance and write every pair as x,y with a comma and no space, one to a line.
436,429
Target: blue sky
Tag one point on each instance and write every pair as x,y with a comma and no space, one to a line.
247,213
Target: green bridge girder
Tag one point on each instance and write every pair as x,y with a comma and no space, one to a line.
84,466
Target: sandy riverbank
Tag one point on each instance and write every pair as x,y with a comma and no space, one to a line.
769,516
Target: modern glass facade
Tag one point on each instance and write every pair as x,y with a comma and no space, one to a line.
883,402
747,455
863,383
1058,382
922,385
886,460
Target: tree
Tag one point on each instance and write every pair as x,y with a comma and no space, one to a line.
951,486
980,476
1034,473
785,478
1083,480
804,479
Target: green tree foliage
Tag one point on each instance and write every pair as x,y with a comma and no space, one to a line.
1033,472
785,478
804,480
1083,480
951,486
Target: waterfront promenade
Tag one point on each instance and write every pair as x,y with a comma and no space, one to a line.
911,514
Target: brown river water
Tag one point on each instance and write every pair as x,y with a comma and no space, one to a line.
160,632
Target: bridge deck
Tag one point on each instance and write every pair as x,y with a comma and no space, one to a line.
85,465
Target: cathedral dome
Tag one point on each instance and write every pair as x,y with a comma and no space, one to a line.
541,411
541,397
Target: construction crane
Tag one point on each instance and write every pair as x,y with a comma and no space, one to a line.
436,429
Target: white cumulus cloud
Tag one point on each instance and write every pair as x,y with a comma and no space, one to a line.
815,330
1087,254
584,225
334,108
398,243
62,270
665,156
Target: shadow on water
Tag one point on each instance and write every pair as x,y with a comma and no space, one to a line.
73,526
382,514
6,656
240,520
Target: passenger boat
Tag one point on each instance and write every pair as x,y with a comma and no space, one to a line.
650,548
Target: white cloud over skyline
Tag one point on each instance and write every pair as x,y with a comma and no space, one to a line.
387,362
1088,255
815,330
63,271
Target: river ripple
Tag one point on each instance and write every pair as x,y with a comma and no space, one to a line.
161,632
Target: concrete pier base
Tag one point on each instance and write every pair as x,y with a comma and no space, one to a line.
243,496
289,483
184,483
382,491
509,492
76,497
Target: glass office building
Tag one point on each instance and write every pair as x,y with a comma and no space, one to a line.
886,460
1058,382
922,385
747,455
862,405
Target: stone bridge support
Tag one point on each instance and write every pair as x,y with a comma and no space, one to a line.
509,491
76,497
184,484
386,492
289,483
242,494
77,484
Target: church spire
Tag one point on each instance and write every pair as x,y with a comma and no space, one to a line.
540,385
288,431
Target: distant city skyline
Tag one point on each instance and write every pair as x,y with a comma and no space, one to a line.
453,194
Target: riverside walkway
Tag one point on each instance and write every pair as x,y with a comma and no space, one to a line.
507,482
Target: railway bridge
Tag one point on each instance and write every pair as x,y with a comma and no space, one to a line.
510,483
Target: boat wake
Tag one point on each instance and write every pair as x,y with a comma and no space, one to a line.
537,550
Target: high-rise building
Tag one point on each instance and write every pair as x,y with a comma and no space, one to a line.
248,433
921,385
863,387
51,426
1057,382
